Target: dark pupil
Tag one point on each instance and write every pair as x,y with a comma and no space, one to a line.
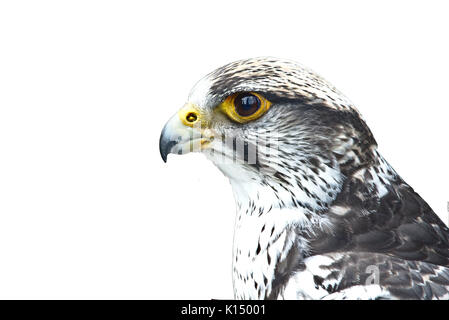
246,104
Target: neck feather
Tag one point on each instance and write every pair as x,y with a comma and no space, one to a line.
269,209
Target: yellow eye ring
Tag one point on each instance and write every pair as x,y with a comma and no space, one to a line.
243,107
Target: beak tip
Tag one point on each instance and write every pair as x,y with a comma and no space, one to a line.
164,153
165,146
171,135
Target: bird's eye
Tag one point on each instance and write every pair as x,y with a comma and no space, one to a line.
246,104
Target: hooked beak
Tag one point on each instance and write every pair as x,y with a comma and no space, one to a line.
165,143
182,133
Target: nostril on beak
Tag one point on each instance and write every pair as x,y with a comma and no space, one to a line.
191,117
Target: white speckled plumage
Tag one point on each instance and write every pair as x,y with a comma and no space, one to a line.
320,208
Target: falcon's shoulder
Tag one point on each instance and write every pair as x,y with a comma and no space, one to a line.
375,226
399,224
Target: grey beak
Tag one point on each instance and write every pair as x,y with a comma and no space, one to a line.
178,138
165,144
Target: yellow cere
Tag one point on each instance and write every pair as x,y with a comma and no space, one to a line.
189,115
228,108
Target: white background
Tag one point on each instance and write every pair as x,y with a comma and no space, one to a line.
87,207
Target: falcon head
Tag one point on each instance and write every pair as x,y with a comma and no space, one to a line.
275,123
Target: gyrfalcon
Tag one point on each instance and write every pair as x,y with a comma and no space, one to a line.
320,213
